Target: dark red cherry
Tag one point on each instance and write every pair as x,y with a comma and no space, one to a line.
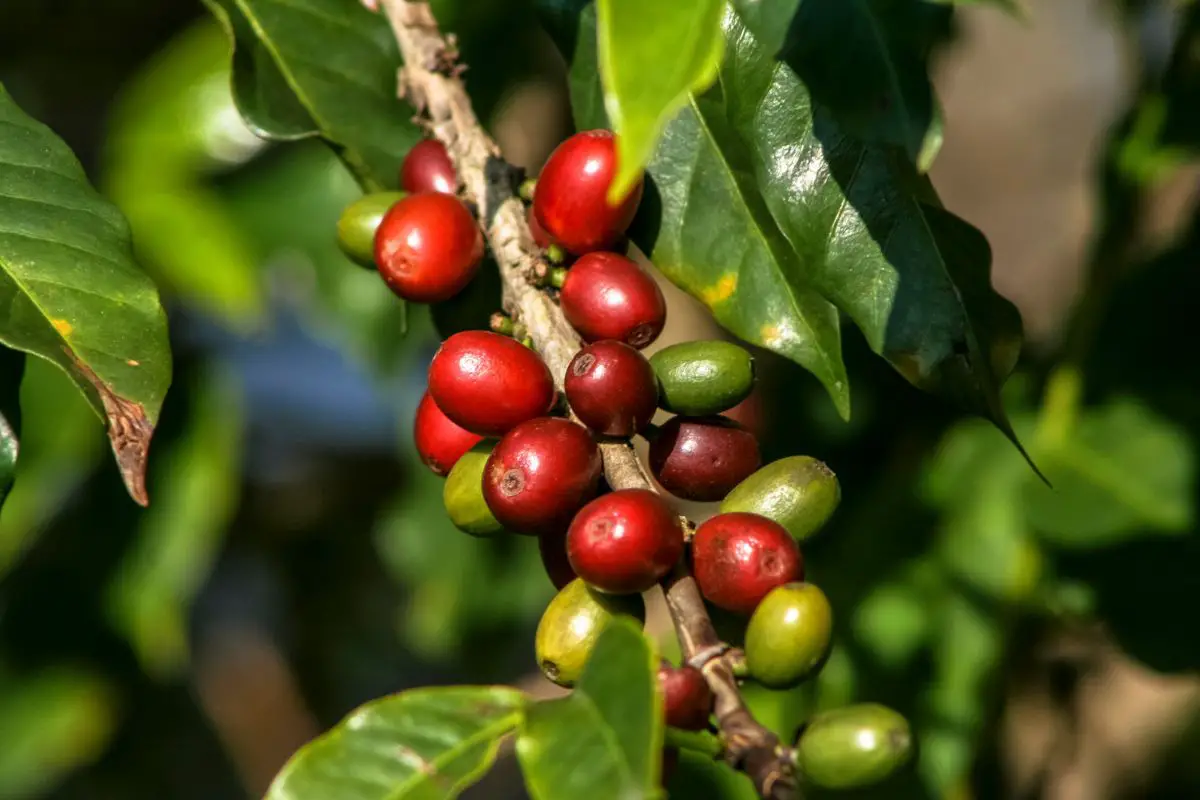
686,697
703,458
427,168
612,388
624,541
608,296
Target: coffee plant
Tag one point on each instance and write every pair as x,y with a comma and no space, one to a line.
768,158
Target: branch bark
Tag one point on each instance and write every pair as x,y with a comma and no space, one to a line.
430,81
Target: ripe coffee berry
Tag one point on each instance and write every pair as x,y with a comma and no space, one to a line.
623,542
703,458
686,697
608,296
427,168
552,547
571,199
439,442
540,237
611,388
540,474
738,558
488,383
428,247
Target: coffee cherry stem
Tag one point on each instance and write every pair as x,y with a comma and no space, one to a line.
557,276
501,323
556,255
526,189
705,743
438,94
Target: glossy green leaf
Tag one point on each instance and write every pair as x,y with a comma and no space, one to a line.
604,739
53,722
1120,472
646,81
172,126
321,68
866,61
198,482
11,366
420,744
764,207
71,291
60,447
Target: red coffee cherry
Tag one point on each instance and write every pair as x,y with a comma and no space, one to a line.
612,388
623,542
540,474
439,441
488,383
552,547
703,458
540,237
571,199
686,697
427,168
428,247
737,558
608,296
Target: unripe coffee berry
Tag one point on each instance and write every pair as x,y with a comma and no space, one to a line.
488,383
552,547
570,626
798,492
608,296
439,441
687,699
540,474
624,541
571,199
703,458
738,558
706,377
853,746
357,225
428,247
462,494
789,634
610,386
427,168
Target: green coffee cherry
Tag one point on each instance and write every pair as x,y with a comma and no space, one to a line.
798,492
356,227
571,625
855,746
788,637
462,494
707,377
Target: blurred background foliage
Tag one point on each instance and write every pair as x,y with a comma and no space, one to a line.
297,561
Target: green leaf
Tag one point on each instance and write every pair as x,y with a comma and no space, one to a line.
423,743
1120,472
646,81
60,447
12,364
605,739
866,61
53,722
177,540
321,68
172,126
71,291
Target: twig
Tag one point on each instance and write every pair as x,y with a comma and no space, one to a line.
430,81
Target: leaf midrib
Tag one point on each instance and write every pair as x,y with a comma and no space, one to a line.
757,227
494,731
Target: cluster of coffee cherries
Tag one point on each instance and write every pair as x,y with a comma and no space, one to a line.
517,461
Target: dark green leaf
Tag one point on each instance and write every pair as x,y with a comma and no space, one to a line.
423,743
321,68
177,540
647,82
1121,471
863,60
71,291
605,739
53,722
12,364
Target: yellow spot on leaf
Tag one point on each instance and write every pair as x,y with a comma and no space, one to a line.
770,335
721,291
63,327
133,363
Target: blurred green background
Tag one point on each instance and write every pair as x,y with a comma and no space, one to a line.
296,561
